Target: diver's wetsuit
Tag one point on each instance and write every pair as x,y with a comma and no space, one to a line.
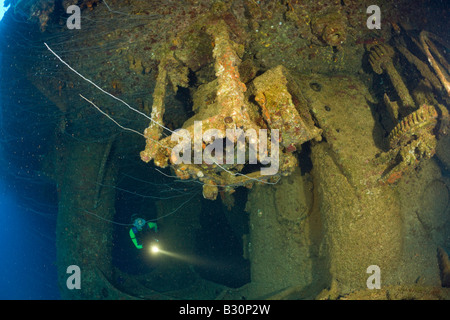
147,229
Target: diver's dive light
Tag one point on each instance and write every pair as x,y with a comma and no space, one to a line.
154,247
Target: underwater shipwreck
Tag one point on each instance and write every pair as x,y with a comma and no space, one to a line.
357,117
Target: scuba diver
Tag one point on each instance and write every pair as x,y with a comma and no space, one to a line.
145,230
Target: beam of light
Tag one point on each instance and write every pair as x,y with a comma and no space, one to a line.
156,250
185,258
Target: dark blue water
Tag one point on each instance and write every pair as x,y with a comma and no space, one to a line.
27,216
27,250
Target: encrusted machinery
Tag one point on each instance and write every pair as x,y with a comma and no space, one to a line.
275,110
412,140
272,103
380,59
418,123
